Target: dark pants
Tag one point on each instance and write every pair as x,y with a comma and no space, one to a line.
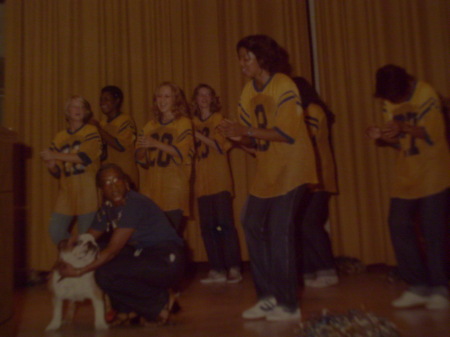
269,230
140,283
313,242
421,250
218,231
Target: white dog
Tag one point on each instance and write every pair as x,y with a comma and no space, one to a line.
78,253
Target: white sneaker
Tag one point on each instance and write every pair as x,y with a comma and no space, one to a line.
282,314
234,275
321,281
260,309
409,299
437,301
214,276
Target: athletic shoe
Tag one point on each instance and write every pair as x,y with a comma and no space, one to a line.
437,301
321,281
282,314
234,275
409,300
260,309
214,276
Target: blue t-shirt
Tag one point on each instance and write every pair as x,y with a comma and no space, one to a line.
139,212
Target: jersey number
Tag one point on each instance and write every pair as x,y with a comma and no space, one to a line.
163,158
72,168
261,118
202,148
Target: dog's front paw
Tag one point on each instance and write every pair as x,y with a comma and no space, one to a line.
101,326
54,325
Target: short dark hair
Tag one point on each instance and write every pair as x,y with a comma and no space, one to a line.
392,82
104,167
270,55
116,92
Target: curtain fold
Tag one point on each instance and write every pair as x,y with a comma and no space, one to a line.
56,48
354,38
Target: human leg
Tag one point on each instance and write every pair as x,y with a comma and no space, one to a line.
59,227
256,235
210,233
434,224
283,270
139,282
318,259
228,238
405,243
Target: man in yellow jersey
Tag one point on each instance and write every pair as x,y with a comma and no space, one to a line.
420,189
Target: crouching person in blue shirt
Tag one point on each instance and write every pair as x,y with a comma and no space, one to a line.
143,257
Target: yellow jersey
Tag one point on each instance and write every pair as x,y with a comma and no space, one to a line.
316,121
166,178
123,129
423,165
212,169
77,193
280,167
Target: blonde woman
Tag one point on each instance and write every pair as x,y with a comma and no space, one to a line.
165,149
74,158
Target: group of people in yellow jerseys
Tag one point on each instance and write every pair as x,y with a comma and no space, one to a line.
283,122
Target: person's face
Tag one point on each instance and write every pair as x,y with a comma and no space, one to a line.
165,99
204,98
108,103
113,187
249,63
76,111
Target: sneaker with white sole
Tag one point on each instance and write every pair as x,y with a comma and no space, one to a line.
321,281
214,276
437,302
260,309
409,300
234,275
280,313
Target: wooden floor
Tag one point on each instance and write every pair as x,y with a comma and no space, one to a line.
215,311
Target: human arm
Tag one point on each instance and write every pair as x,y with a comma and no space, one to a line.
146,142
208,141
118,240
243,134
49,155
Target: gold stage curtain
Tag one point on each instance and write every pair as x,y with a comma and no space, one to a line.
355,38
56,48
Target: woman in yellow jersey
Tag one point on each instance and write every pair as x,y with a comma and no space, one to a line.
213,189
420,189
165,149
73,158
316,254
118,133
271,118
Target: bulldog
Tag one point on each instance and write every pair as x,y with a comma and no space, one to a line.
79,253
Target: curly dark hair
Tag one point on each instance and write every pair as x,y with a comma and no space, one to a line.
269,54
215,103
